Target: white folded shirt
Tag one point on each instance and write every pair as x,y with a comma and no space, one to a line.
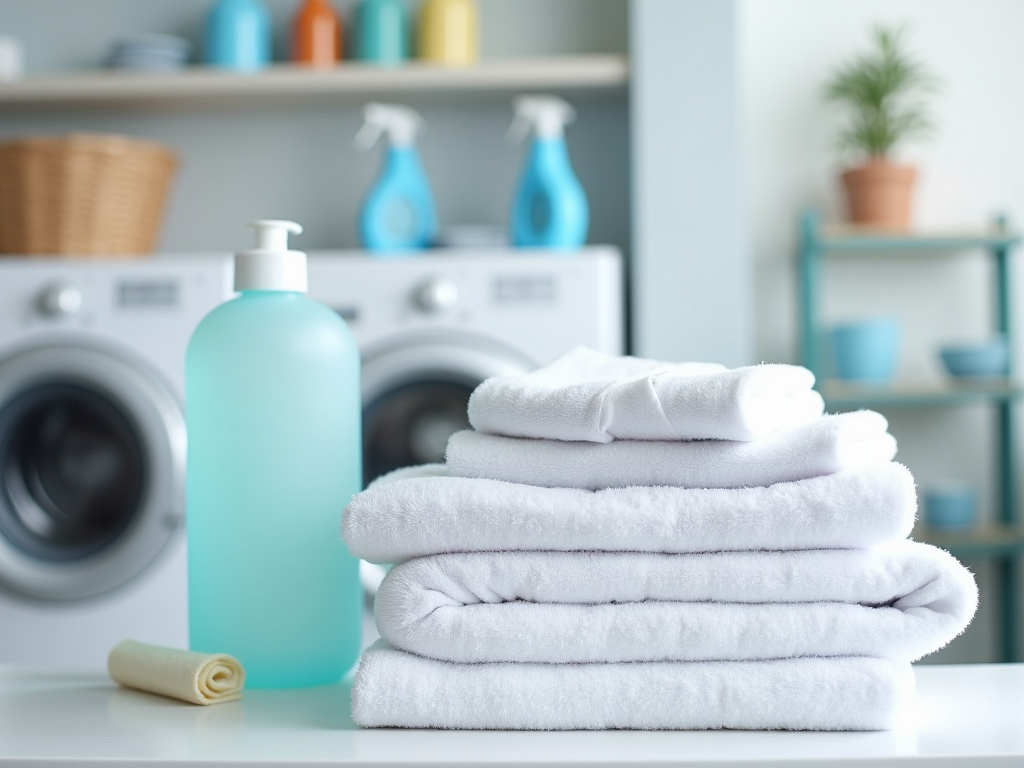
899,601
591,396
423,511
821,447
393,688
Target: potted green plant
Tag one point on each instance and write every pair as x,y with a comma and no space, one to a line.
884,91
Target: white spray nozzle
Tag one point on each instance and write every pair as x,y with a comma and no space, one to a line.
547,115
272,234
399,122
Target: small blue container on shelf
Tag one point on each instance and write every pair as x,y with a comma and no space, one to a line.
866,351
984,360
236,35
950,506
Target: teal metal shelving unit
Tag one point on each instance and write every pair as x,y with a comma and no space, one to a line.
1004,541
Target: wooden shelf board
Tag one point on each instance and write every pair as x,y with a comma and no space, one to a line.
842,394
593,73
982,540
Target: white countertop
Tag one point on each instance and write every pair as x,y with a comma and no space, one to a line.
966,715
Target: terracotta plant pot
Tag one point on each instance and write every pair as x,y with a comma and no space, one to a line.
879,194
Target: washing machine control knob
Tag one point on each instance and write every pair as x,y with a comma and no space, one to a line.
437,294
60,300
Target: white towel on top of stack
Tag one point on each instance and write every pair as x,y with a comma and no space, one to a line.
824,446
587,395
423,511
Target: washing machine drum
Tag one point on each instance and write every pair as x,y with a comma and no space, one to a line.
92,461
415,395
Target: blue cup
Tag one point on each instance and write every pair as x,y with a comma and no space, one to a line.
237,35
950,507
866,351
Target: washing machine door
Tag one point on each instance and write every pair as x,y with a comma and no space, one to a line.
92,465
415,393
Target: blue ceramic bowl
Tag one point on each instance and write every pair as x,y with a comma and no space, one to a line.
976,361
950,507
866,351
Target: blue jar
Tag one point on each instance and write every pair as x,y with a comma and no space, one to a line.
237,35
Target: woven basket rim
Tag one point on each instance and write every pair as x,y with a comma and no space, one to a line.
90,142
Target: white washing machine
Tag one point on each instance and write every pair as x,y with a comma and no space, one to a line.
431,328
92,451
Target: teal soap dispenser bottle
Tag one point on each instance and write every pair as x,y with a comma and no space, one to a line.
272,401
549,209
398,214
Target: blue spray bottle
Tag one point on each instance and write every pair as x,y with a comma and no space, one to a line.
273,410
398,213
550,208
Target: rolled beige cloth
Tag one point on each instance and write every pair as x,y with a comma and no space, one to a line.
198,678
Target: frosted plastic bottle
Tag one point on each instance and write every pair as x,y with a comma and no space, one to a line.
398,214
236,35
382,32
449,32
272,400
550,208
316,35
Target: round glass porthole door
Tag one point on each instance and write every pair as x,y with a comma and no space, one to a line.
92,453
415,397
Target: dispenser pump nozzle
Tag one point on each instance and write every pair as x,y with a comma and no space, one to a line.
270,266
272,234
547,115
402,124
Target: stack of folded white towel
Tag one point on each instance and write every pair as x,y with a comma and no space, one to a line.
622,543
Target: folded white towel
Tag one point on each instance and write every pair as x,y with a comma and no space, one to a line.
421,511
824,446
899,601
393,688
588,395
198,678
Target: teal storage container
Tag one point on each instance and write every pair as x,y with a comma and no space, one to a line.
382,32
273,410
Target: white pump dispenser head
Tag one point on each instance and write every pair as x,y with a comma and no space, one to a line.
547,115
270,266
402,124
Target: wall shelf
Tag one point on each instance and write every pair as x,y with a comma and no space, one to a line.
595,75
848,238
926,394
1003,540
983,541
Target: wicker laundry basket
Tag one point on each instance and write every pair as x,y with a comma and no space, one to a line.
82,194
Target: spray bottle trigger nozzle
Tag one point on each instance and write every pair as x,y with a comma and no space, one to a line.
367,136
399,122
518,129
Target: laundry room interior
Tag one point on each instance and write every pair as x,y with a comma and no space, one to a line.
715,229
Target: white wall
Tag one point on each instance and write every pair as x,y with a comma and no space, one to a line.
971,169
